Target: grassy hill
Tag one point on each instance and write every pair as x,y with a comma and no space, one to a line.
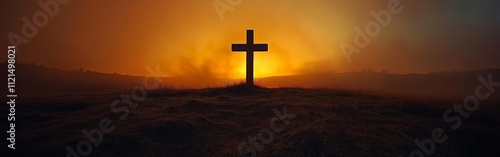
223,122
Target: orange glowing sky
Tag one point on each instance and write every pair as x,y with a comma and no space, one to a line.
187,38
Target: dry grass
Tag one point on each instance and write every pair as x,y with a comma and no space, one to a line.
214,121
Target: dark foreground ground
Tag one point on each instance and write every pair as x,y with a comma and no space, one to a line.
233,120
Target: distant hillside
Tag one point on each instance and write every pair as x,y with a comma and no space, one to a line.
35,79
443,84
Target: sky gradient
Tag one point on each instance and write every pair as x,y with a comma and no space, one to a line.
188,38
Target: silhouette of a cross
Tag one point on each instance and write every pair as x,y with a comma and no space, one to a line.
249,48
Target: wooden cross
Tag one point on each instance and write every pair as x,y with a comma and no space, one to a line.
249,48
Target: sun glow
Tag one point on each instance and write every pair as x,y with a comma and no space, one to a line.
265,65
292,49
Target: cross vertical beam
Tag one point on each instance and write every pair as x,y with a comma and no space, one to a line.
249,48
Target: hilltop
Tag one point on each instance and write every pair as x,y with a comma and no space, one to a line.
36,79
